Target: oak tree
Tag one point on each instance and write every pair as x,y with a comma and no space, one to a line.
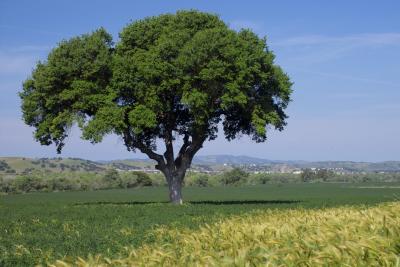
173,77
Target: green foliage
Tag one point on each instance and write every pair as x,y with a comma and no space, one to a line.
127,180
87,181
76,181
308,175
202,181
199,179
4,166
28,183
143,179
70,85
324,174
236,176
135,179
64,184
2,185
111,176
158,179
272,178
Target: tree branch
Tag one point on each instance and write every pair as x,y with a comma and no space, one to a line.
182,151
132,143
150,153
169,152
189,150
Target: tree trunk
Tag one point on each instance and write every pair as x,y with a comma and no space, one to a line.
175,190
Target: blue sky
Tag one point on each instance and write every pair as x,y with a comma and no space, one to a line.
343,56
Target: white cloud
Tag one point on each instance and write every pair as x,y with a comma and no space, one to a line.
354,40
31,30
16,64
27,48
314,49
21,59
348,77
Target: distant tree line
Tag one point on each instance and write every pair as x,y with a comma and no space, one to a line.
110,179
74,181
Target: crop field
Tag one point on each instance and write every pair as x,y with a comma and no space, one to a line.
345,236
119,225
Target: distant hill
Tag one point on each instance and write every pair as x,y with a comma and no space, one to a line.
12,165
349,166
21,165
130,164
229,159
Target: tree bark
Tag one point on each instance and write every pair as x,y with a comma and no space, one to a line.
175,190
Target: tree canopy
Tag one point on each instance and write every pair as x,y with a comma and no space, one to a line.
171,75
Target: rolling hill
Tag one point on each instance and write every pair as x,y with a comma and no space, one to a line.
13,165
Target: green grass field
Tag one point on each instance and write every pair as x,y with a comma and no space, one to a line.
42,227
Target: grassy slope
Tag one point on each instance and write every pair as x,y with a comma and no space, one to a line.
20,164
79,223
138,164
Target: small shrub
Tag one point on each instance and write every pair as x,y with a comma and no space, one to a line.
111,177
127,180
28,183
63,184
236,176
52,165
143,179
201,180
259,178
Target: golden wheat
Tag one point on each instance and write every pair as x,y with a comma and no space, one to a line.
345,236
